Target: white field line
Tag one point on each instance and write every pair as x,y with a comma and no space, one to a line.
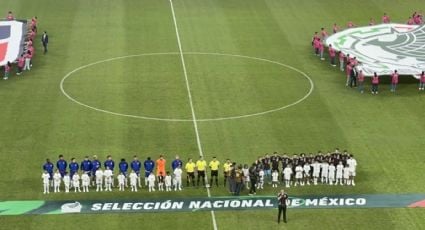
189,94
68,75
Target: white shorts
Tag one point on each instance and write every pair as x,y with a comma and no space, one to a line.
352,173
287,177
338,176
316,174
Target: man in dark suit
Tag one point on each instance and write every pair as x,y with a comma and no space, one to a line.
282,197
45,41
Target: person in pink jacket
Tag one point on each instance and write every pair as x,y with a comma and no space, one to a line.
394,81
422,81
360,81
375,83
332,54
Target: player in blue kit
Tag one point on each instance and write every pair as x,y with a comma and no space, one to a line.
123,166
48,167
95,166
61,165
86,166
149,167
176,163
73,167
109,163
136,165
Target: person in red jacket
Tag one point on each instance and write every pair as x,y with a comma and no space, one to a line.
375,83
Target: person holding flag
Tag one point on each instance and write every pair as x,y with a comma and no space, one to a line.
394,81
422,81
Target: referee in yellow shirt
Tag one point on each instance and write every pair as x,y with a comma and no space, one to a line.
201,166
226,168
190,170
214,165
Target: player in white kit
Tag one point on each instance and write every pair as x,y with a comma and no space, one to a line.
108,179
260,184
275,178
76,182
352,164
151,182
85,181
346,175
133,181
66,182
316,171
331,174
178,178
99,180
245,172
168,182
325,172
57,181
287,172
121,181
299,175
339,169
307,175
45,176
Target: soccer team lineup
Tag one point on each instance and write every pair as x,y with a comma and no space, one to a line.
331,168
184,114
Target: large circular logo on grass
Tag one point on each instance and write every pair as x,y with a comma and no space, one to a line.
152,86
384,48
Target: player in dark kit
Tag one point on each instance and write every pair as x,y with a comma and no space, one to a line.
282,197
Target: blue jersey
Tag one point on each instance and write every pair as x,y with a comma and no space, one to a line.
149,166
176,163
61,165
110,164
123,166
73,167
95,165
86,165
136,166
48,166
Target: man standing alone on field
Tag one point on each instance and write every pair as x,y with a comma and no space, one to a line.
282,197
45,41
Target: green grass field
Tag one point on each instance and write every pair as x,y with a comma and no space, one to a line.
385,132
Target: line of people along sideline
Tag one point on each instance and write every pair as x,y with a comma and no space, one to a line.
24,61
90,174
330,168
354,79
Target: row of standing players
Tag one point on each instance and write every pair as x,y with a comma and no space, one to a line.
331,168
93,175
354,78
264,169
